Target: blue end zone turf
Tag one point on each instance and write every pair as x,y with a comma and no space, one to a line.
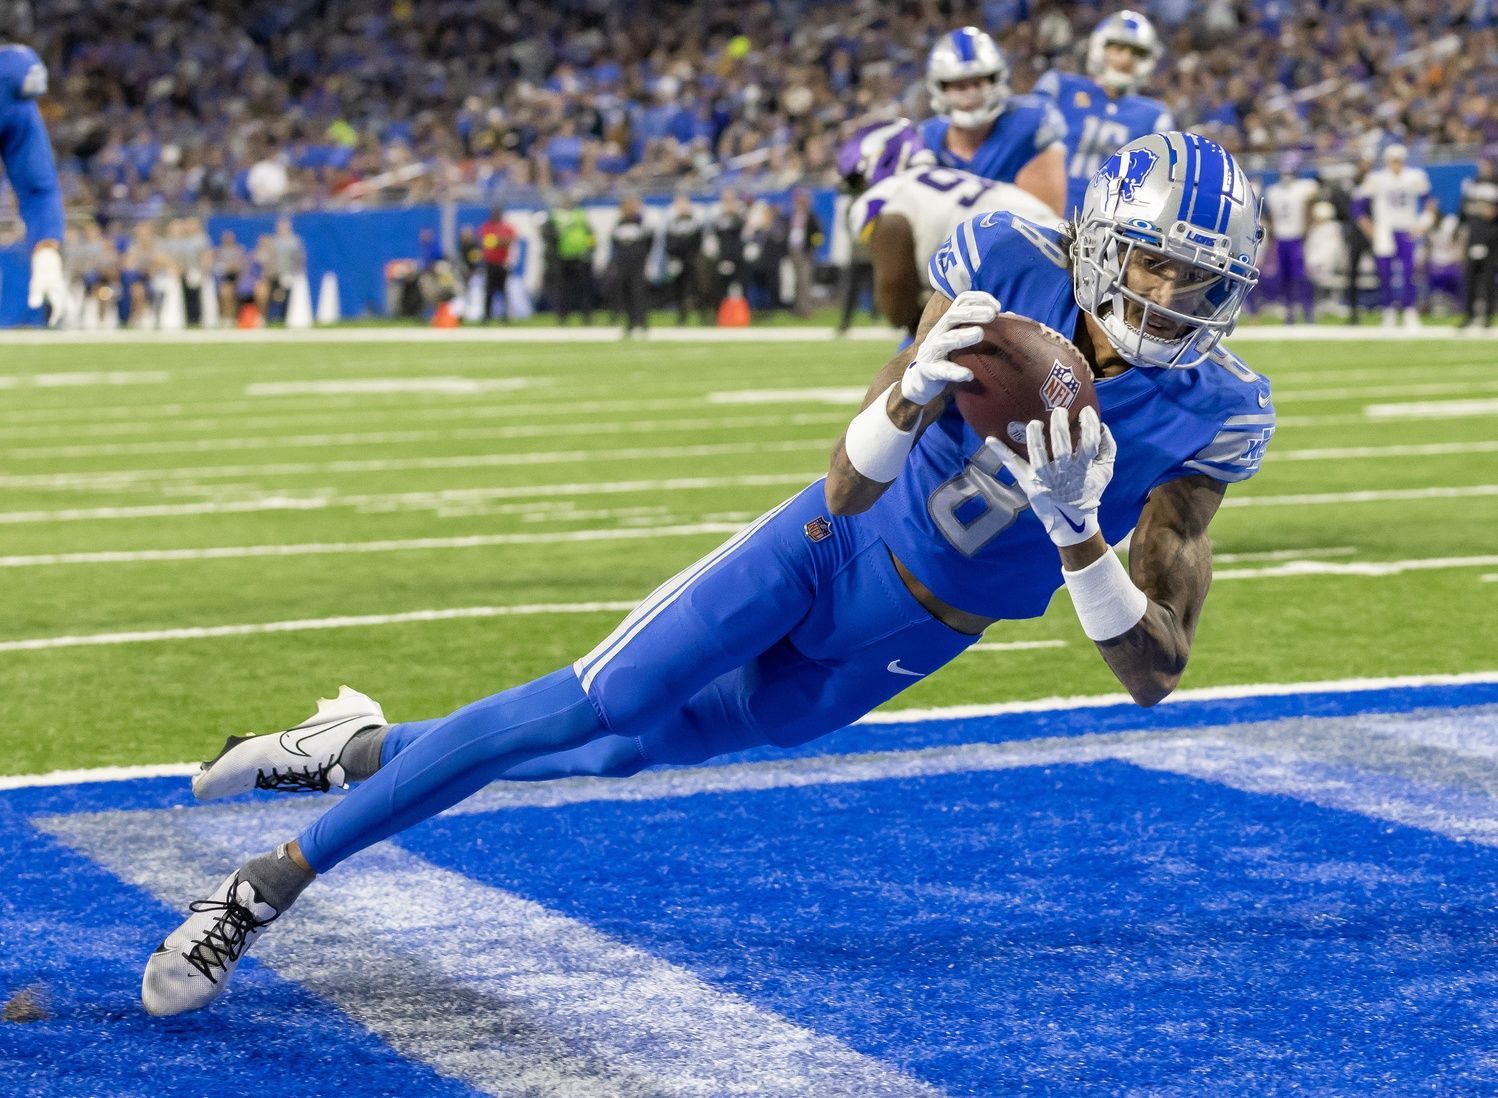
1076,929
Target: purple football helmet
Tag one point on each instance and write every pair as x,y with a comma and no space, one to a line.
876,152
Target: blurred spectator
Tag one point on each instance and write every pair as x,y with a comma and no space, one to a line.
190,251
230,268
1341,182
725,248
630,245
764,238
284,260
684,258
804,237
575,243
497,239
1479,242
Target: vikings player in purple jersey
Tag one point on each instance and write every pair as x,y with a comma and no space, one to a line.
982,128
921,536
1101,110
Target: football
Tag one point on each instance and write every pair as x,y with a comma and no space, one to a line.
1021,371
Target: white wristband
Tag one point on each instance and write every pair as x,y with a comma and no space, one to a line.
1107,602
874,445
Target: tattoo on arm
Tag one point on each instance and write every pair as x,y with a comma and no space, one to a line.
1170,560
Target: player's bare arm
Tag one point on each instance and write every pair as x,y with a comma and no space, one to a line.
897,285
1045,178
906,395
1170,560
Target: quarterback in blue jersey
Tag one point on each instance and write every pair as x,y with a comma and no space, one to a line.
919,537
33,174
1102,114
980,127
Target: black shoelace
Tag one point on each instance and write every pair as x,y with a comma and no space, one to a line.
309,778
224,941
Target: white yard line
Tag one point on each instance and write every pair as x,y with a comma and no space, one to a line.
209,632
324,499
84,379
1286,396
1283,554
115,479
1373,568
1432,409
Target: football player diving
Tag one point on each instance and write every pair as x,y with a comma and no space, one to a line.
920,536
981,127
1101,110
33,174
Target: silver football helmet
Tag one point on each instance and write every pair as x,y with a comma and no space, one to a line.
1124,28
1166,248
960,55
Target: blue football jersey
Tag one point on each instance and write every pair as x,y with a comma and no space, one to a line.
955,516
24,146
1027,126
1097,125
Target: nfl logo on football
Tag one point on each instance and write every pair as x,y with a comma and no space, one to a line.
1060,387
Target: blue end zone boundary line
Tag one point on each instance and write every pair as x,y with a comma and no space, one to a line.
1101,911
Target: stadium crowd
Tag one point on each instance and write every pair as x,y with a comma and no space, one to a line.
162,104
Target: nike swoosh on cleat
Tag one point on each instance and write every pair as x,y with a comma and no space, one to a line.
894,665
295,746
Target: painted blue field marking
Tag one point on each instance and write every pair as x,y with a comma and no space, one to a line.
1169,738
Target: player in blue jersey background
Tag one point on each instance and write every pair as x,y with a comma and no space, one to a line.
920,537
1101,110
981,127
33,174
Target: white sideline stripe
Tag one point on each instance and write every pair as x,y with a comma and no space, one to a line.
1015,646
474,541
488,987
297,626
1265,333
894,716
1432,409
457,386
1355,568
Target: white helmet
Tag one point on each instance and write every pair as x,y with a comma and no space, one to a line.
1124,28
960,55
1176,211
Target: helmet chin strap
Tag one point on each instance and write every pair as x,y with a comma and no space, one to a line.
1116,81
973,119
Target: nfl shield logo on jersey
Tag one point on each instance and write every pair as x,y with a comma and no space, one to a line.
1126,171
1060,387
819,529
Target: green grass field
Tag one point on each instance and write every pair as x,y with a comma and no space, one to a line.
121,461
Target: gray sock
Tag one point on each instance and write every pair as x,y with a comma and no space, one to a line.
361,755
277,878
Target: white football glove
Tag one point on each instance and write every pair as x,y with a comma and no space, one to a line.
48,286
1065,488
928,376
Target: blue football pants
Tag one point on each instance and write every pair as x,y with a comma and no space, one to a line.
793,628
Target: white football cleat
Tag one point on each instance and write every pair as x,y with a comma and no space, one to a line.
301,759
192,967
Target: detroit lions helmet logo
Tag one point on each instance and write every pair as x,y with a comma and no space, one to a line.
1126,171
